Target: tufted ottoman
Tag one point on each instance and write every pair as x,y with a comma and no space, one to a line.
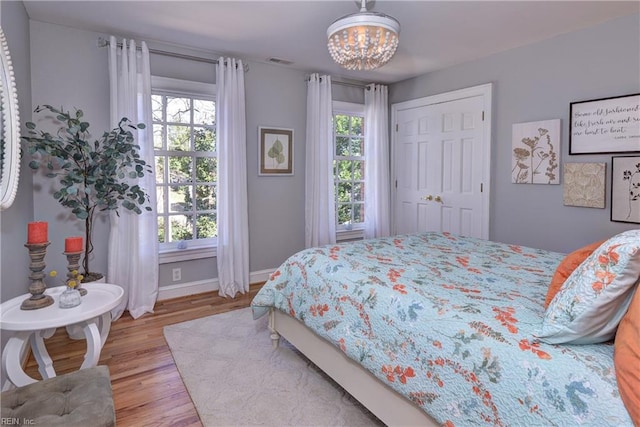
82,398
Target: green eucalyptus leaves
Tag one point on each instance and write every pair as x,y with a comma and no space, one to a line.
276,152
91,175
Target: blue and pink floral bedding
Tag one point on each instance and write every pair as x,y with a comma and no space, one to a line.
449,322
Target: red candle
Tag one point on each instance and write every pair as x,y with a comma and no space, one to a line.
73,244
37,232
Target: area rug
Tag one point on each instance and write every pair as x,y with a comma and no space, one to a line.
236,378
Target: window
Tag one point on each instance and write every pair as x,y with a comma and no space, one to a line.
348,165
184,139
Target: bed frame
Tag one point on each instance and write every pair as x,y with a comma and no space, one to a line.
389,406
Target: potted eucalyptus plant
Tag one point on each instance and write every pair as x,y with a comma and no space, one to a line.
92,176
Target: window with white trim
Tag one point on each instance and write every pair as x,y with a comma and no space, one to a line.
348,165
186,163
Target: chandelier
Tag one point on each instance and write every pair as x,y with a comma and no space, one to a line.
363,40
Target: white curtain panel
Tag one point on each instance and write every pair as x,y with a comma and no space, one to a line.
133,239
233,215
320,214
376,171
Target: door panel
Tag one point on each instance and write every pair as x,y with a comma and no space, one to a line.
466,158
439,162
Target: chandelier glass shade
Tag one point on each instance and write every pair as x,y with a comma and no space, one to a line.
363,40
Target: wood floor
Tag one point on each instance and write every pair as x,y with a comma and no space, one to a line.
147,387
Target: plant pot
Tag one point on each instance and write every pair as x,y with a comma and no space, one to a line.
93,277
89,278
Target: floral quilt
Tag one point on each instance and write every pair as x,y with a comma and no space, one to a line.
449,322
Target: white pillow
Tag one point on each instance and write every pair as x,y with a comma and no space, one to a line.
595,297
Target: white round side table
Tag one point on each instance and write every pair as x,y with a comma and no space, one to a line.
93,315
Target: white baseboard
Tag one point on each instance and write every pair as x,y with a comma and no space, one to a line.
200,286
261,275
189,288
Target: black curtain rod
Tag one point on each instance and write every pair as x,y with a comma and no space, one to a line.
338,82
104,43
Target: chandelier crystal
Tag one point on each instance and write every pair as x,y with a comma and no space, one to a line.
363,40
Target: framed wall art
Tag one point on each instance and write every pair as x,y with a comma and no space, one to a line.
625,189
584,185
536,152
607,125
276,151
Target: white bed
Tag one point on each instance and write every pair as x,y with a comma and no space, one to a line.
434,329
389,406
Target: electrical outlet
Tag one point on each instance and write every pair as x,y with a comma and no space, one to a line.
177,274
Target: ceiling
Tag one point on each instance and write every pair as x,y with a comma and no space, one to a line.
433,34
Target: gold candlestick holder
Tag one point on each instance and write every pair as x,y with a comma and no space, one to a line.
73,264
38,299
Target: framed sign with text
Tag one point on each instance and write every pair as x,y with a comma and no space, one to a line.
607,125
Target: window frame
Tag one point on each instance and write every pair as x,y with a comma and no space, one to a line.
198,248
351,109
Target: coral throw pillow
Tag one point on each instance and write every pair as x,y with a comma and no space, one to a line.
566,267
626,359
589,306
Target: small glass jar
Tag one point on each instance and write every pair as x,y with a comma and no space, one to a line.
70,298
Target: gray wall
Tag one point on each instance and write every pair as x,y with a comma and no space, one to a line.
537,82
276,96
68,70
15,261
14,267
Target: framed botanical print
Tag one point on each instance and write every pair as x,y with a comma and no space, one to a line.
535,154
584,185
276,151
625,189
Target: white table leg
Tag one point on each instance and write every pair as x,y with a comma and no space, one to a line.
94,343
12,362
105,327
40,353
